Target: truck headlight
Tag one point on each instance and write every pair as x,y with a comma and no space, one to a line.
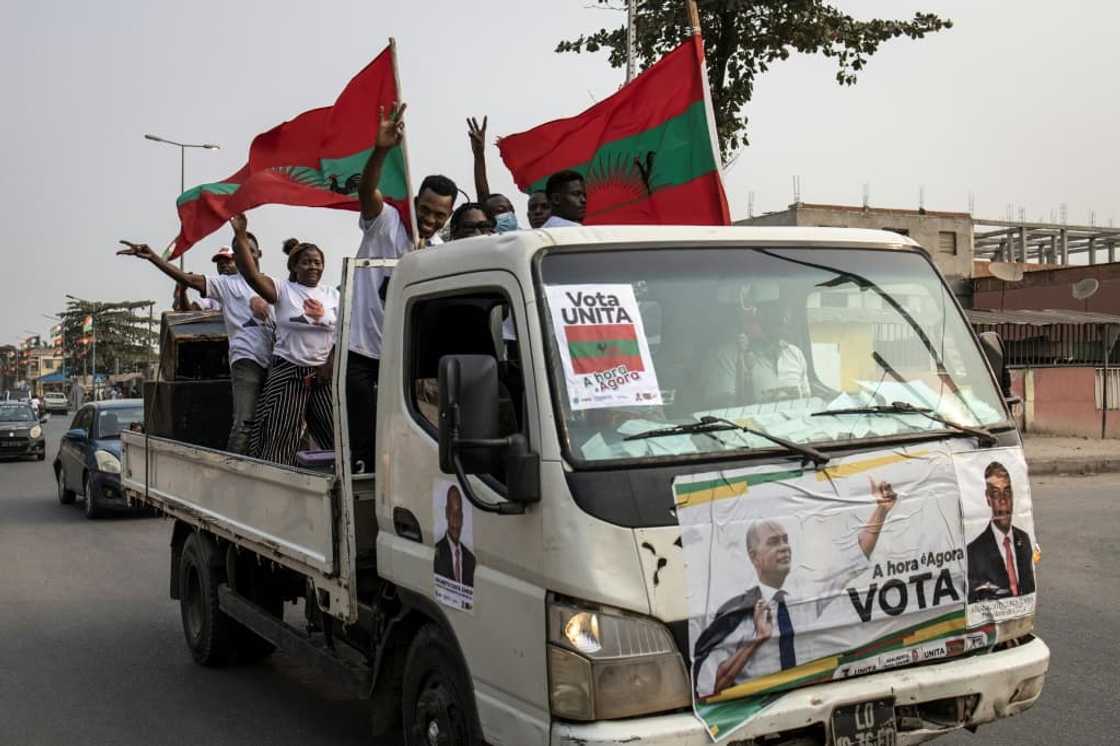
107,462
605,664
35,432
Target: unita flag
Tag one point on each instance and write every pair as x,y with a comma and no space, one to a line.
648,153
313,160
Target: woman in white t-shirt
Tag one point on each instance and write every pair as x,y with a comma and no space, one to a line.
298,386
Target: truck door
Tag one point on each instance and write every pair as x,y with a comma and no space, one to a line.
481,569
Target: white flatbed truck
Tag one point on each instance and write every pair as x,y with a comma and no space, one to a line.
572,626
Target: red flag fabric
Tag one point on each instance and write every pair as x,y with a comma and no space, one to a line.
648,153
313,160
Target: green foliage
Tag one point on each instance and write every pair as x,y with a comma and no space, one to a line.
124,342
742,38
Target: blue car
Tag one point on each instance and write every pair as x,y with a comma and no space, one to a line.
89,455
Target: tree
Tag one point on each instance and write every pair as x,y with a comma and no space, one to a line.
742,38
124,342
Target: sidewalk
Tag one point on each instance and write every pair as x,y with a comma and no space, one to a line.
1055,454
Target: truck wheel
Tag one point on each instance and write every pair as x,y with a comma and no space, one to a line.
207,629
65,496
91,503
437,705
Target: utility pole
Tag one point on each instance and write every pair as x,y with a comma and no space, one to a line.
630,40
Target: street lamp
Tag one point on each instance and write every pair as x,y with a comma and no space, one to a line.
182,146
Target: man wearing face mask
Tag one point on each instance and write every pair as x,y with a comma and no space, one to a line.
384,236
498,205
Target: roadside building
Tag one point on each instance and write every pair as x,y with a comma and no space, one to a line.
947,236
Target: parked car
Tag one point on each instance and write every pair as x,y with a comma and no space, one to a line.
21,432
89,455
56,403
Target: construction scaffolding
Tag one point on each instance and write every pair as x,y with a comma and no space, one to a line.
1043,243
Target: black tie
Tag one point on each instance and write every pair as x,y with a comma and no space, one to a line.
785,633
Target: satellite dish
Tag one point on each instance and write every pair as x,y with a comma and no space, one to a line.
1006,271
1086,288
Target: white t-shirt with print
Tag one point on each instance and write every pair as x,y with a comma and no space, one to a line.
300,339
384,237
249,337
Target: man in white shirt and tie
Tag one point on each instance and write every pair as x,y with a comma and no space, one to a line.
757,633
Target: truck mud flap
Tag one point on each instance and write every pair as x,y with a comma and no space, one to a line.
287,639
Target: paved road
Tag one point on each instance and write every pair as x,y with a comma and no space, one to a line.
91,648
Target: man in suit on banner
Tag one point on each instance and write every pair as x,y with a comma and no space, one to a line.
760,627
1000,559
454,560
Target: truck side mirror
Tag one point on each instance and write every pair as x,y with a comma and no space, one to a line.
992,345
468,411
469,429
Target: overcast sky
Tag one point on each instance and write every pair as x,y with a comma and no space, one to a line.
1017,104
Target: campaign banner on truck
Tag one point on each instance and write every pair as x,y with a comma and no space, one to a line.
453,562
999,534
603,346
799,575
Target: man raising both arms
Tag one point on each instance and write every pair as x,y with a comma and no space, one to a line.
250,340
384,236
567,198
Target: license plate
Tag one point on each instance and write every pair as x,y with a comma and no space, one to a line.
865,724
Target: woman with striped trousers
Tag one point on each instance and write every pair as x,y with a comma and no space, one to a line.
298,387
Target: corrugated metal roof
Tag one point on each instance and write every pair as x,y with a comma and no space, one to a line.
1040,318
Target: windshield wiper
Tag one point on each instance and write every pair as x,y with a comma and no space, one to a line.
710,424
705,425
986,438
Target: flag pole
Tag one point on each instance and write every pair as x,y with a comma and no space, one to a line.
693,16
404,149
709,110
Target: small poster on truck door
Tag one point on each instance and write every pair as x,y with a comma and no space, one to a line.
999,534
603,346
454,562
798,575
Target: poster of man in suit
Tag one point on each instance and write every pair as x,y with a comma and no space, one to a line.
454,562
999,532
798,574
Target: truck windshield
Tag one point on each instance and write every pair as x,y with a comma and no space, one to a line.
645,340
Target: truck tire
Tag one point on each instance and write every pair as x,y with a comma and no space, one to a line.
437,702
208,631
65,496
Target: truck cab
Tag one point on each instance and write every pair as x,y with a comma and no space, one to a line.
680,485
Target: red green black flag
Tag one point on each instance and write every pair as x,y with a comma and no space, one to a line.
648,153
598,347
313,160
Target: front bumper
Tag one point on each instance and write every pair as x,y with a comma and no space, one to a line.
22,446
107,490
997,678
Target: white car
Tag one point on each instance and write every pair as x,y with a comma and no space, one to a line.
56,403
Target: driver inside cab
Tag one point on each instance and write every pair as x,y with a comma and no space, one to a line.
757,364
